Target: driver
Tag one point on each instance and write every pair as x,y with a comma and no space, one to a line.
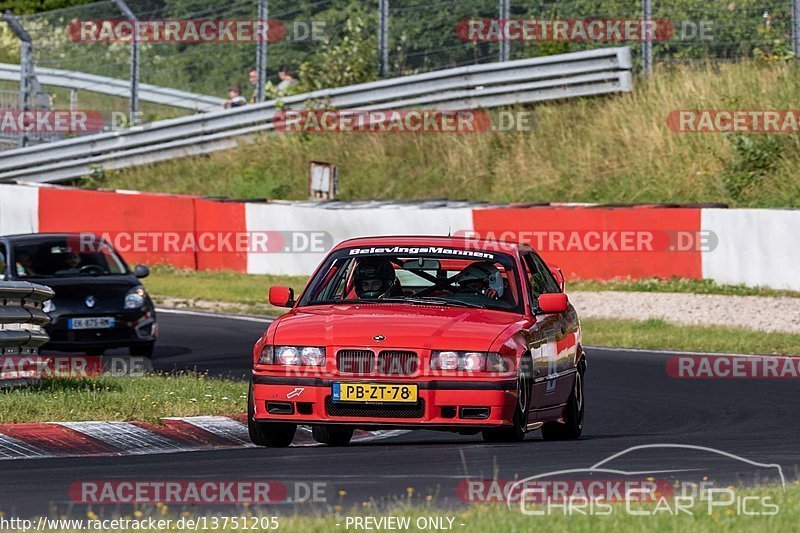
375,278
482,278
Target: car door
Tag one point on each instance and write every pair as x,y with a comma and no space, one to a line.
554,348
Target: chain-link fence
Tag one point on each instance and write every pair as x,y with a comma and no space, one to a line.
327,43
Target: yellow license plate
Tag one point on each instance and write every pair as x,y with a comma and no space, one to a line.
374,392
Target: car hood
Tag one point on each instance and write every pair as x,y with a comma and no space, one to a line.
403,326
71,292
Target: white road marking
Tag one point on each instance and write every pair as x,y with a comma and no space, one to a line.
11,448
676,352
221,426
129,438
244,318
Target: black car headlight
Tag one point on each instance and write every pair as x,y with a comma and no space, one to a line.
135,298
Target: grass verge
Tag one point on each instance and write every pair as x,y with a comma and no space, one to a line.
216,290
681,285
498,518
145,399
657,334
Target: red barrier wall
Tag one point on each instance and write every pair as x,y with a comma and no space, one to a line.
101,212
220,218
579,262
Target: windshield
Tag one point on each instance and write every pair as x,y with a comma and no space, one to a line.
63,257
421,275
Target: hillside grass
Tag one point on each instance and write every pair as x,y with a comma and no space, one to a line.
147,398
613,149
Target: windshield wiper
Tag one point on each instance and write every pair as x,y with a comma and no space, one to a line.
425,300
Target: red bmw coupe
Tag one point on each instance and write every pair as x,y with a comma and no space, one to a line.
419,332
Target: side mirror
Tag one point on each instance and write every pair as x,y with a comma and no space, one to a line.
555,302
559,276
141,271
281,296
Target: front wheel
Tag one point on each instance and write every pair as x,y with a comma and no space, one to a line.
271,434
572,427
516,433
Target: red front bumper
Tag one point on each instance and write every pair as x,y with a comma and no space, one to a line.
442,403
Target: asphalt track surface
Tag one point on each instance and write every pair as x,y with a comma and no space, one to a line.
630,401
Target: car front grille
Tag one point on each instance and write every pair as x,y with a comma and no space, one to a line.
386,363
415,410
392,363
355,361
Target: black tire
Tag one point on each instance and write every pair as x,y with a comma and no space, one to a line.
516,433
142,350
332,435
271,434
573,414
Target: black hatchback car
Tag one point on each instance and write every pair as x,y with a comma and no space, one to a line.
99,302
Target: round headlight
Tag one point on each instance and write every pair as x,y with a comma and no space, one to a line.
287,355
135,298
312,356
473,361
448,360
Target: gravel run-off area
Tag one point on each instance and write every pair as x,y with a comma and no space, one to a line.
762,313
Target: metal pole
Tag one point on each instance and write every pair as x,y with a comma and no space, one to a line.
504,12
383,38
261,53
26,73
796,28
647,44
134,73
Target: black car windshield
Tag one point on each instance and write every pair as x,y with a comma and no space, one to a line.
417,275
64,257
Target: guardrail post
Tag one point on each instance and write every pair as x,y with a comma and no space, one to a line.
647,44
261,53
383,38
796,28
504,12
26,73
134,75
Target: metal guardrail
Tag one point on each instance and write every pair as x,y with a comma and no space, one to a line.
22,318
588,73
115,87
